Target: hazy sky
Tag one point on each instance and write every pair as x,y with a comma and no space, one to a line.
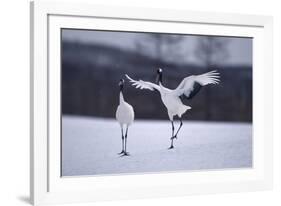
239,49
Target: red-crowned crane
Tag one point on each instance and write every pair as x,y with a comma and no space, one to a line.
125,116
189,87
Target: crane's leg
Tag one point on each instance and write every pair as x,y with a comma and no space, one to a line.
178,128
172,138
175,136
122,152
125,151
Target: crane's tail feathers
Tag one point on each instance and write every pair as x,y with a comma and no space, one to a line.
183,109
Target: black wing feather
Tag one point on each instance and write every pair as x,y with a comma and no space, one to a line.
196,88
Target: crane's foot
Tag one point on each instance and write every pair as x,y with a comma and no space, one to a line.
171,147
125,154
122,152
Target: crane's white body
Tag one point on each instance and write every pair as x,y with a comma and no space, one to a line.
172,102
125,113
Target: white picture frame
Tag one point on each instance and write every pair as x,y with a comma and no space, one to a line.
47,186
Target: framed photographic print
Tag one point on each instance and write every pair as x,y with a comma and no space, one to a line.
138,103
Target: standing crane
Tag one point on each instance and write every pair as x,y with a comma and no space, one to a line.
125,116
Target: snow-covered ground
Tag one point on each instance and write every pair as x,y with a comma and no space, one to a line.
90,146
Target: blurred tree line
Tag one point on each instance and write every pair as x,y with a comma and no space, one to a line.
91,72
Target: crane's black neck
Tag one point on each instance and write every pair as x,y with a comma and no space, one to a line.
121,87
159,80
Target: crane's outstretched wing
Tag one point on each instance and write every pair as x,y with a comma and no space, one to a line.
140,84
191,85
